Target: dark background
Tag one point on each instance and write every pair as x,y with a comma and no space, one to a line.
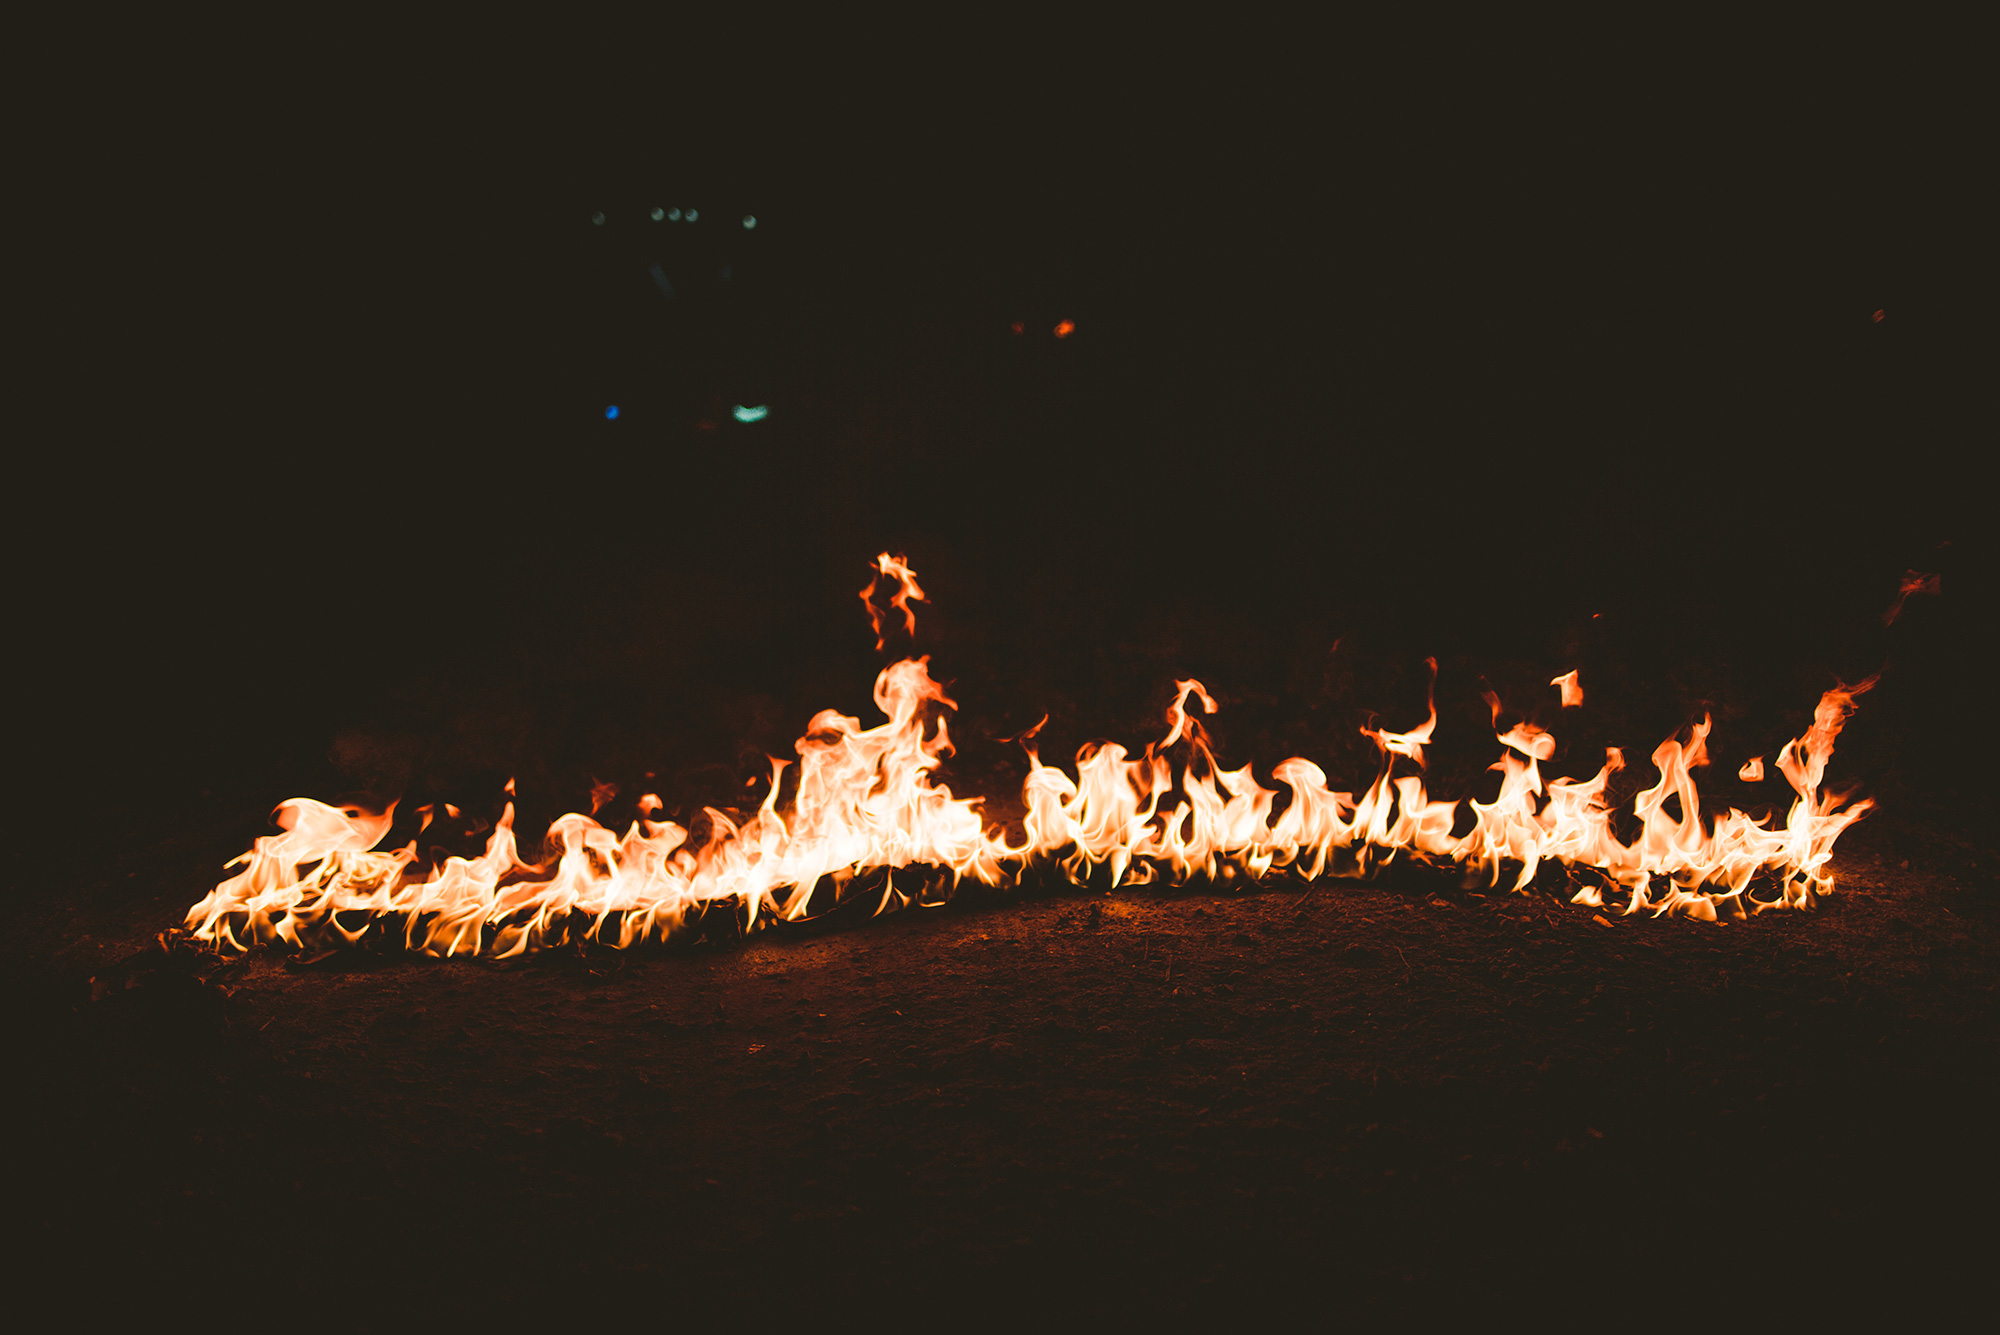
1569,366
1524,380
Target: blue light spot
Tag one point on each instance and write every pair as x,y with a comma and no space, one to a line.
693,214
673,215
597,220
611,413
659,214
749,222
757,414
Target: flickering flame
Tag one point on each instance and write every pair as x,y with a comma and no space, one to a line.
600,793
1914,581
862,800
906,589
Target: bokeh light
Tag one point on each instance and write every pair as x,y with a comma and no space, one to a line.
658,214
749,222
1065,329
611,413
674,215
756,414
693,214
597,220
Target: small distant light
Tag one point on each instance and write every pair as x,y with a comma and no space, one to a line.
693,214
658,214
597,220
1065,329
611,413
673,215
757,414
1877,316
1017,327
728,272
749,222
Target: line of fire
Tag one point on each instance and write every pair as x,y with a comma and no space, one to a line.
861,807
1377,715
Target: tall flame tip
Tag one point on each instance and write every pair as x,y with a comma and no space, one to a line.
865,798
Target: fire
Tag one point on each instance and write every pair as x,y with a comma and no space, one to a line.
862,800
1913,581
906,588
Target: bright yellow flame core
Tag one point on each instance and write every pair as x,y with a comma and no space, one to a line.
863,800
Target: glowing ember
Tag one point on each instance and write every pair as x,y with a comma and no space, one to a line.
862,801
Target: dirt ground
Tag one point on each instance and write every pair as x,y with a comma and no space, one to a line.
1393,1097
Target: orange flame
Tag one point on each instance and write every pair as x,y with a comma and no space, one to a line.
863,800
1413,742
1914,581
601,793
906,588
1571,688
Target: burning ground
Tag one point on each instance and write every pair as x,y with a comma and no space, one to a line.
1392,1094
1635,436
864,805
1384,1095
1450,1081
